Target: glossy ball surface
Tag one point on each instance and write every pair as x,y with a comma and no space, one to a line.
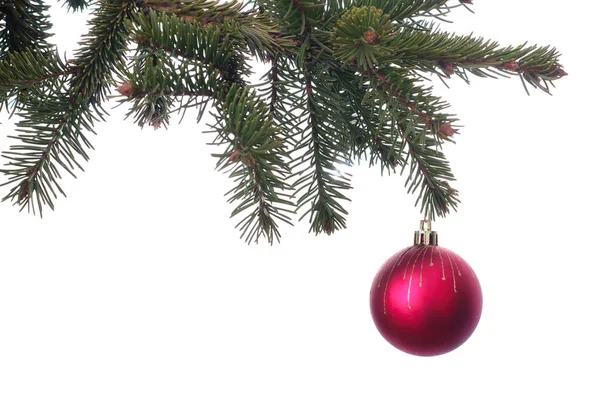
426,300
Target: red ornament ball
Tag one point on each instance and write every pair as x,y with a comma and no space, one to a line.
426,300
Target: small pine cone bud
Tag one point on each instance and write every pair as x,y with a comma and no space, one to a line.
448,68
23,190
327,227
561,72
446,130
126,89
512,66
371,37
248,160
235,155
466,1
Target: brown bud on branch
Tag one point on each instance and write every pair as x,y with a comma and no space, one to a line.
126,89
446,130
371,37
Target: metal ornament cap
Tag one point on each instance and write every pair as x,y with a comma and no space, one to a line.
426,300
425,236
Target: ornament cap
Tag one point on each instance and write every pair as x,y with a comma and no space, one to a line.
425,236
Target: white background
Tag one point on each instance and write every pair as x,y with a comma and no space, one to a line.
138,286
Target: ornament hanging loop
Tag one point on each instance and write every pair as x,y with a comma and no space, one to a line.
425,236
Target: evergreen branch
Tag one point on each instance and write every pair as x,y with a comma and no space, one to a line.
155,79
102,51
205,11
28,70
294,17
51,134
248,31
399,11
371,134
421,133
263,37
76,5
53,125
425,108
274,78
325,143
23,25
363,35
283,91
212,45
344,82
256,156
430,173
261,34
446,54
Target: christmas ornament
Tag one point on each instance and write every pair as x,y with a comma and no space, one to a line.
426,300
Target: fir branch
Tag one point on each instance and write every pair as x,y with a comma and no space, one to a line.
273,76
283,91
212,45
399,11
345,83
256,157
295,17
102,51
447,54
371,134
155,79
417,127
76,5
50,135
429,173
27,71
205,11
321,185
363,35
23,25
263,37
53,126
26,68
424,107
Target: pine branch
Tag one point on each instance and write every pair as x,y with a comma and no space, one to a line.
294,17
52,126
23,25
256,156
429,173
155,80
213,45
27,71
409,128
447,54
205,62
345,83
262,36
400,11
323,143
76,5
321,184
